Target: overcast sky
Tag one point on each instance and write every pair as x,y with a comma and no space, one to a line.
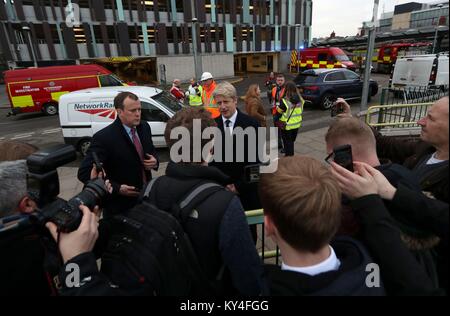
346,16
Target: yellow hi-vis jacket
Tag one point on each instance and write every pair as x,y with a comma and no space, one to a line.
196,99
292,117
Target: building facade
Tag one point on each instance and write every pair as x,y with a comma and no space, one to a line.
153,40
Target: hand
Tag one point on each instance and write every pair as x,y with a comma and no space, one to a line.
150,163
108,186
347,111
232,188
95,174
385,189
354,185
79,241
129,191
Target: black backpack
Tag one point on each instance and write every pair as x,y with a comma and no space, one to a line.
150,254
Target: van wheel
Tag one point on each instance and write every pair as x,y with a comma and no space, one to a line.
327,101
83,146
51,109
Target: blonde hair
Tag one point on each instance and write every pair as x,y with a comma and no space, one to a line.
225,89
303,200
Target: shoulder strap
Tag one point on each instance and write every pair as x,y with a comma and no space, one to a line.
292,112
195,197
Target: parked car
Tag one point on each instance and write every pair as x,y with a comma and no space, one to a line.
421,71
322,86
83,113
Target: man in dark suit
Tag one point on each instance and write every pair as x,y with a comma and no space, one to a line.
231,118
126,150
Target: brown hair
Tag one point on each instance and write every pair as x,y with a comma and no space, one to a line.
12,150
251,92
354,129
185,118
291,90
303,200
121,97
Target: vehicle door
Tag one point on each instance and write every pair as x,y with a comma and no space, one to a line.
157,117
336,82
101,112
354,85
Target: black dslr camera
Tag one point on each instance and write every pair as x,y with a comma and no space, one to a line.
43,187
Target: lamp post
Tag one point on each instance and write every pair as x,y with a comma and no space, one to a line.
297,46
194,49
27,30
370,48
437,27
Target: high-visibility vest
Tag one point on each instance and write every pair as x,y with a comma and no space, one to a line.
295,116
275,101
195,99
207,95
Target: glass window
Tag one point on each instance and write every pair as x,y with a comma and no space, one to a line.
151,113
306,78
168,101
335,76
342,58
322,57
351,75
110,81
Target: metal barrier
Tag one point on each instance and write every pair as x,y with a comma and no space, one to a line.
256,217
400,119
412,95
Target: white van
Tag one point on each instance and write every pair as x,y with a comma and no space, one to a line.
83,113
421,71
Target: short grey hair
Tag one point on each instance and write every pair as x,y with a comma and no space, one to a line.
13,185
225,89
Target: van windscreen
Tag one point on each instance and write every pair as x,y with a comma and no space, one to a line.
342,58
168,101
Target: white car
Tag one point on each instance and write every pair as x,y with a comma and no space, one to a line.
83,113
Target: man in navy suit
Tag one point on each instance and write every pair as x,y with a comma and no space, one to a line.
126,150
231,118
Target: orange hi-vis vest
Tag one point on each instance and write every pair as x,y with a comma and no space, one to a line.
207,95
275,101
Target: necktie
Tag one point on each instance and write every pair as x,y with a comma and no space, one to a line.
139,149
228,126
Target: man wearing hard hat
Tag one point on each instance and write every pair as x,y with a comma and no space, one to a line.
208,86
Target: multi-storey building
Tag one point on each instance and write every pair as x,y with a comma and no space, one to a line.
153,40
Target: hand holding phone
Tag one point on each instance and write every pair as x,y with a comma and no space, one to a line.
343,157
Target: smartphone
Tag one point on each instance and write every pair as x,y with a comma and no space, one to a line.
343,157
337,108
252,173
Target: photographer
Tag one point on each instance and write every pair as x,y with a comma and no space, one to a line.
27,267
401,272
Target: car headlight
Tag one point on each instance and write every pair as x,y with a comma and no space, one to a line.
344,66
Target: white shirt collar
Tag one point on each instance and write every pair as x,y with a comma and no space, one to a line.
332,263
232,119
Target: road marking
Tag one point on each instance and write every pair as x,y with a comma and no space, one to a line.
51,131
22,136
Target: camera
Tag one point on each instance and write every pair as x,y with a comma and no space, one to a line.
43,187
343,157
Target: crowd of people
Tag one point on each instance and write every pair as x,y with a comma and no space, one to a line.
389,210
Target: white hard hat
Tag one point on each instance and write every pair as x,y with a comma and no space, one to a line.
206,76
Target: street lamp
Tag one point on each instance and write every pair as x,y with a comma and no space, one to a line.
194,49
27,30
437,27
